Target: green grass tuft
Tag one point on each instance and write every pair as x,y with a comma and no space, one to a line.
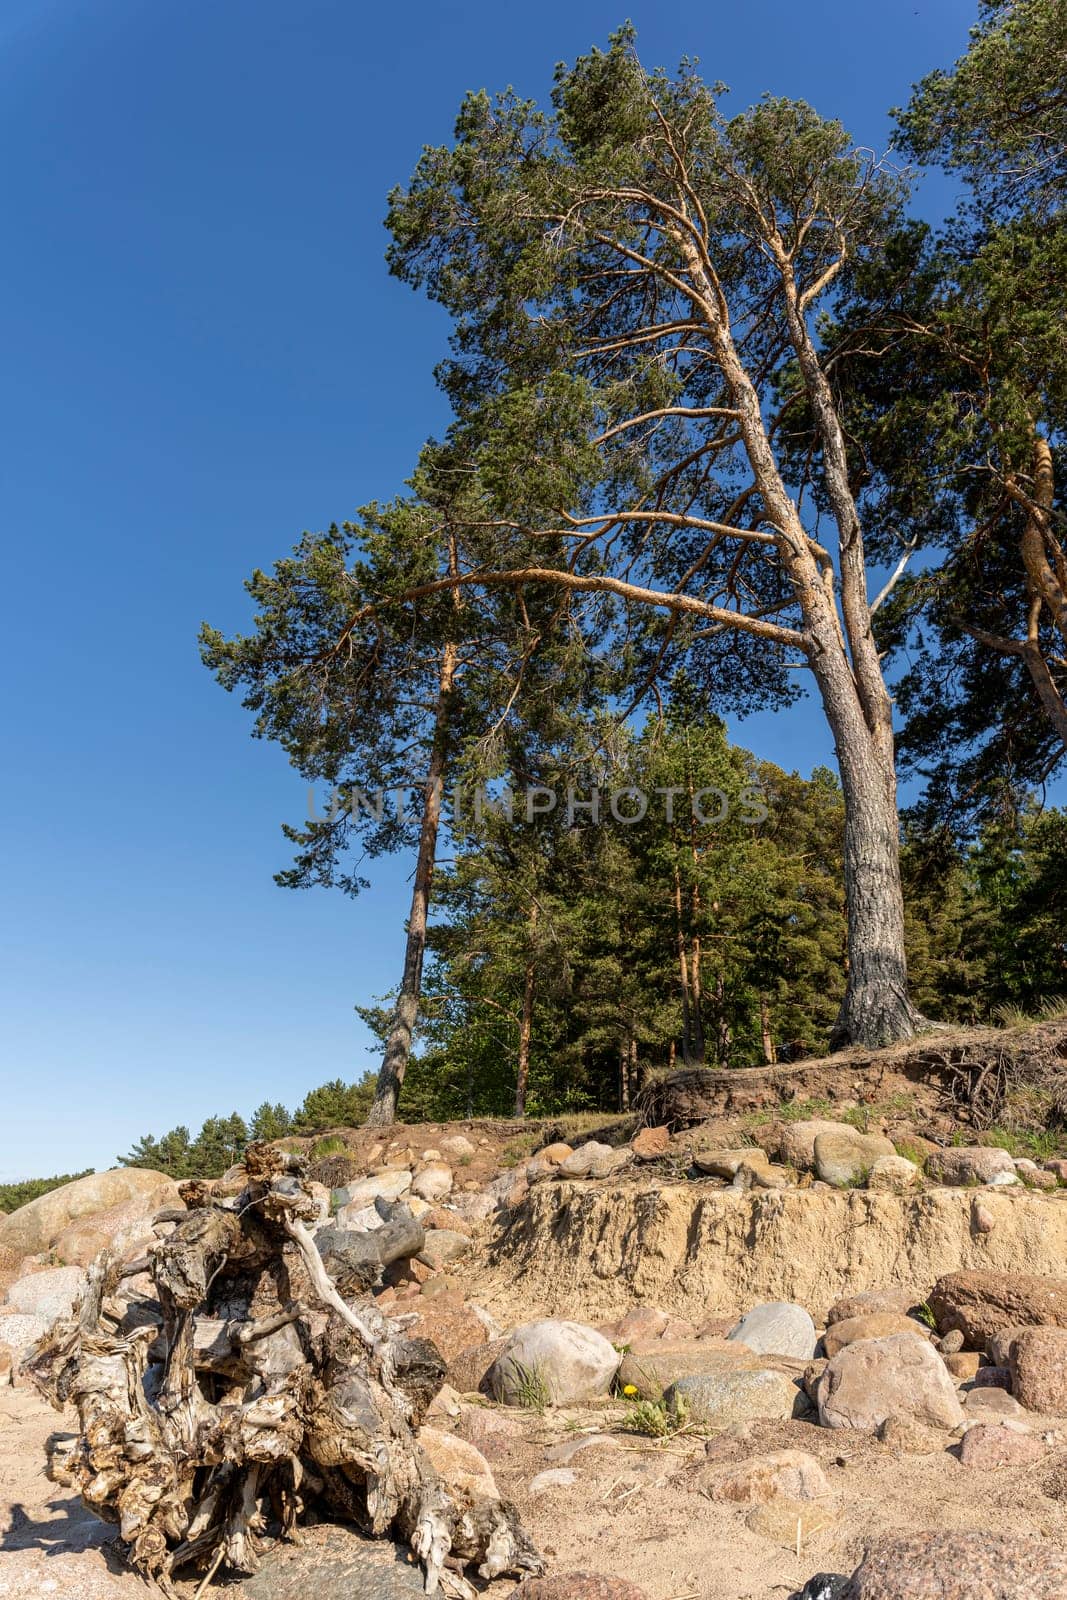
331,1145
530,1387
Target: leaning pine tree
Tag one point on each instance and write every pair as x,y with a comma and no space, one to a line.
377,720
427,693
634,282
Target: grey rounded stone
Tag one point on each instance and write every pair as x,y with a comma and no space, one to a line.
554,1362
49,1295
847,1156
778,1328
334,1563
962,1164
721,1398
20,1332
727,1163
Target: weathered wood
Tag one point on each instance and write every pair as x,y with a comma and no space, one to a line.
356,1260
269,1394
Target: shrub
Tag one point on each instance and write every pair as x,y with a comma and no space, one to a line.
13,1195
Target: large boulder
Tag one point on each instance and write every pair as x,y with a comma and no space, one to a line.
991,1445
875,1325
651,1365
49,1295
894,1175
728,1163
125,1230
875,1379
1039,1370
796,1146
35,1227
433,1182
555,1362
870,1300
449,1323
961,1566
981,1304
387,1185
19,1332
970,1163
594,1160
719,1399
778,1328
847,1156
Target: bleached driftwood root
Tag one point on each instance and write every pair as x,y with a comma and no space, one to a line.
252,1392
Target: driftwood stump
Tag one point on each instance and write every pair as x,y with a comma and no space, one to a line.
250,1393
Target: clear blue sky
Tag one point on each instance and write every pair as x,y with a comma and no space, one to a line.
203,355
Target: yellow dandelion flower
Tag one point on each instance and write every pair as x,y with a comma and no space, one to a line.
630,1389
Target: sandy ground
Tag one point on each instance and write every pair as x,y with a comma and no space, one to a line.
642,1509
636,1508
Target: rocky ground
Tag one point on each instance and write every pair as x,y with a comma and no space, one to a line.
721,1363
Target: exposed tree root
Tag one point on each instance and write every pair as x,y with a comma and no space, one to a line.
251,1393
969,1073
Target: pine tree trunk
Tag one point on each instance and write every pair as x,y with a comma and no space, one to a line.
876,1009
696,982
843,656
724,1038
526,1028
770,1054
1046,587
696,989
683,975
398,1044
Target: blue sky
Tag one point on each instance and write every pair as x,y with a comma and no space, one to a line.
204,355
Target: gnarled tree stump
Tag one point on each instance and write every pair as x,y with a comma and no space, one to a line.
251,1393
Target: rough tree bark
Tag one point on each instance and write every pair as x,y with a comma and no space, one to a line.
770,1054
1045,562
526,1023
252,1393
843,656
398,1043
689,1057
